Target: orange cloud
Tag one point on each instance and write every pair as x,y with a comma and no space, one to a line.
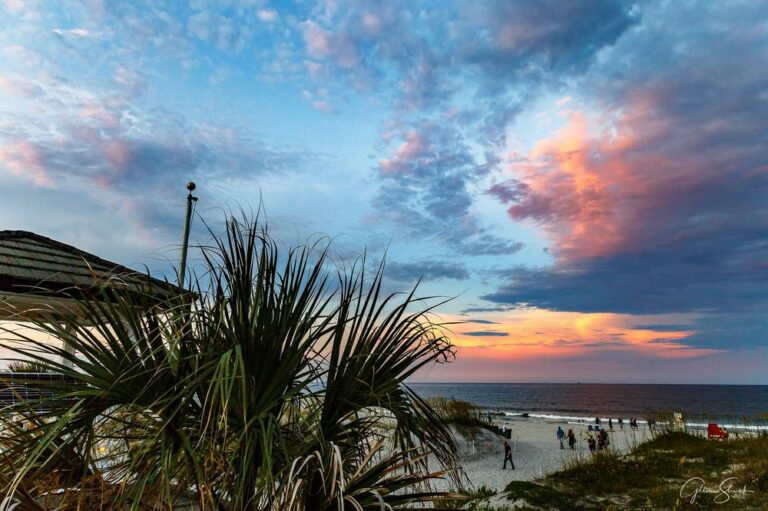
590,185
541,334
571,193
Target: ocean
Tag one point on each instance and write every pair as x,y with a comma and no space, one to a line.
727,404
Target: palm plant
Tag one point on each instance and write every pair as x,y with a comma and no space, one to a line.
272,384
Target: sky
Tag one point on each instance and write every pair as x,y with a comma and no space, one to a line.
588,180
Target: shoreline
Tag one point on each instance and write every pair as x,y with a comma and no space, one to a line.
576,420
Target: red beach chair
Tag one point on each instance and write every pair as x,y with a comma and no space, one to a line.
715,431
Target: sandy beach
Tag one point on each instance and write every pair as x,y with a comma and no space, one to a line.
536,449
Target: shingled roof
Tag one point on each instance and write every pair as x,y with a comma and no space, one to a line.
35,265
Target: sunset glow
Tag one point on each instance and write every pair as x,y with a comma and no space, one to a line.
534,333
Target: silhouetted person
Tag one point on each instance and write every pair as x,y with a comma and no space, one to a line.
508,456
560,436
603,441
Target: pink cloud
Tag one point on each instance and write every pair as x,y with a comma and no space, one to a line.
371,22
19,87
25,160
104,116
571,191
117,152
318,41
409,150
594,187
339,48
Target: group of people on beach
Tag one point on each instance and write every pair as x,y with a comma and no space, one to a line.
632,422
602,442
595,445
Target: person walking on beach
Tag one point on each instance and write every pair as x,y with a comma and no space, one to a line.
603,441
592,444
610,423
508,456
621,423
571,439
560,436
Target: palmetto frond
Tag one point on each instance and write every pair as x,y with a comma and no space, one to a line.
379,480
273,382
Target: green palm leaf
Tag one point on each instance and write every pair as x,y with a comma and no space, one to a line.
270,384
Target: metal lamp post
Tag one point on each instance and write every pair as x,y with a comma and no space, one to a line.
185,239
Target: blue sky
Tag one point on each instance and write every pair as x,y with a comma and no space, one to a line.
589,179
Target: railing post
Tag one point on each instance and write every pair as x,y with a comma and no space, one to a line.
70,330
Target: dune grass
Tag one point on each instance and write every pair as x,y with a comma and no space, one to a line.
472,500
458,412
654,476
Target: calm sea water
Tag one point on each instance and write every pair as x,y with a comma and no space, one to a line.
724,403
